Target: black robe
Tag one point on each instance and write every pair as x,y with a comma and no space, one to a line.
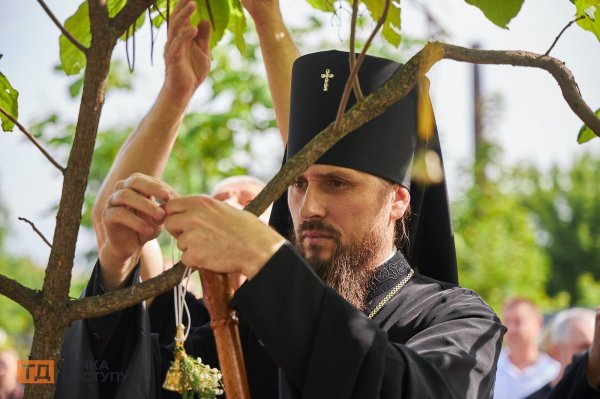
301,339
572,385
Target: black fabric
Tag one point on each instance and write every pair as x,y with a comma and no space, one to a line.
384,147
573,384
162,315
300,339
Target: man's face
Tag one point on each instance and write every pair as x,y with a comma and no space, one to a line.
524,325
239,194
334,207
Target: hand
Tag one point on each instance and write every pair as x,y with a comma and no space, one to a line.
187,53
131,218
216,236
593,369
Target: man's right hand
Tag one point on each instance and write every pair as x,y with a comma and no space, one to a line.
187,54
131,218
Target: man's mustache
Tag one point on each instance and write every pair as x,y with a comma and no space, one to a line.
318,225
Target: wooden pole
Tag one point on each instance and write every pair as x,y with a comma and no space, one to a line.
217,294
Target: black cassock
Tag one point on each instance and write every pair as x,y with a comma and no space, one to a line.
301,339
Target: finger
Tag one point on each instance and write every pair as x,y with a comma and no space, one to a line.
136,202
177,224
202,38
184,204
180,17
121,216
179,42
149,186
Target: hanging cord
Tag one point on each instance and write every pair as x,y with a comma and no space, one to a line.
179,292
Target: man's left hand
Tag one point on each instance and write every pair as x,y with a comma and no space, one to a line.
215,236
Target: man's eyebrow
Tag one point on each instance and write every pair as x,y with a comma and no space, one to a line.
335,175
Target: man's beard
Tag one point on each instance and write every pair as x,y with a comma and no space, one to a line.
347,271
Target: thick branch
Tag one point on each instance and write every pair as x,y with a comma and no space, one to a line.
128,15
116,300
39,233
65,32
33,140
22,295
398,86
562,74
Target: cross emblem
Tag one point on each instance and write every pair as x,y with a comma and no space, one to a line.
327,75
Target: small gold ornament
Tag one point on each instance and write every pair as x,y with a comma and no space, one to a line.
173,380
327,75
190,377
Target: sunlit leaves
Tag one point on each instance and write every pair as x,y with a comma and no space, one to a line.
217,13
585,133
391,26
8,101
323,5
237,25
590,9
500,12
78,25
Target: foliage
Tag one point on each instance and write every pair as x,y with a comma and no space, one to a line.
590,11
565,207
223,15
499,12
589,290
585,133
498,255
9,102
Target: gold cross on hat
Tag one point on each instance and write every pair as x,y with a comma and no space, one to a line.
327,75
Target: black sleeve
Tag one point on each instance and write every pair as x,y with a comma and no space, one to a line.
326,348
573,384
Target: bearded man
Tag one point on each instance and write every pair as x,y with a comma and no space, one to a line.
366,324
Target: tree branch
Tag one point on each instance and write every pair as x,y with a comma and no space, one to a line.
22,295
561,32
398,86
357,90
116,300
39,233
558,70
354,72
64,31
33,140
128,15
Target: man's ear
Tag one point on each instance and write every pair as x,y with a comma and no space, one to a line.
400,203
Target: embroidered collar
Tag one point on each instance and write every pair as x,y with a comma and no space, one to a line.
387,275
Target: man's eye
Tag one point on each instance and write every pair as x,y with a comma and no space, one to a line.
298,184
337,183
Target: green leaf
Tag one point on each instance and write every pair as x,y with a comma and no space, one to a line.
215,11
585,133
322,5
500,12
8,102
237,25
391,26
114,6
78,24
590,9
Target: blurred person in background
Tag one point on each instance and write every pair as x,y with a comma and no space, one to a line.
9,387
522,367
570,333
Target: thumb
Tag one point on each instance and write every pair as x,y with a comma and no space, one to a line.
203,36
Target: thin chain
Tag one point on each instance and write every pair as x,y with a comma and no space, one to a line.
391,294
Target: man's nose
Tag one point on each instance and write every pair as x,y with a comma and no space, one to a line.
312,204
